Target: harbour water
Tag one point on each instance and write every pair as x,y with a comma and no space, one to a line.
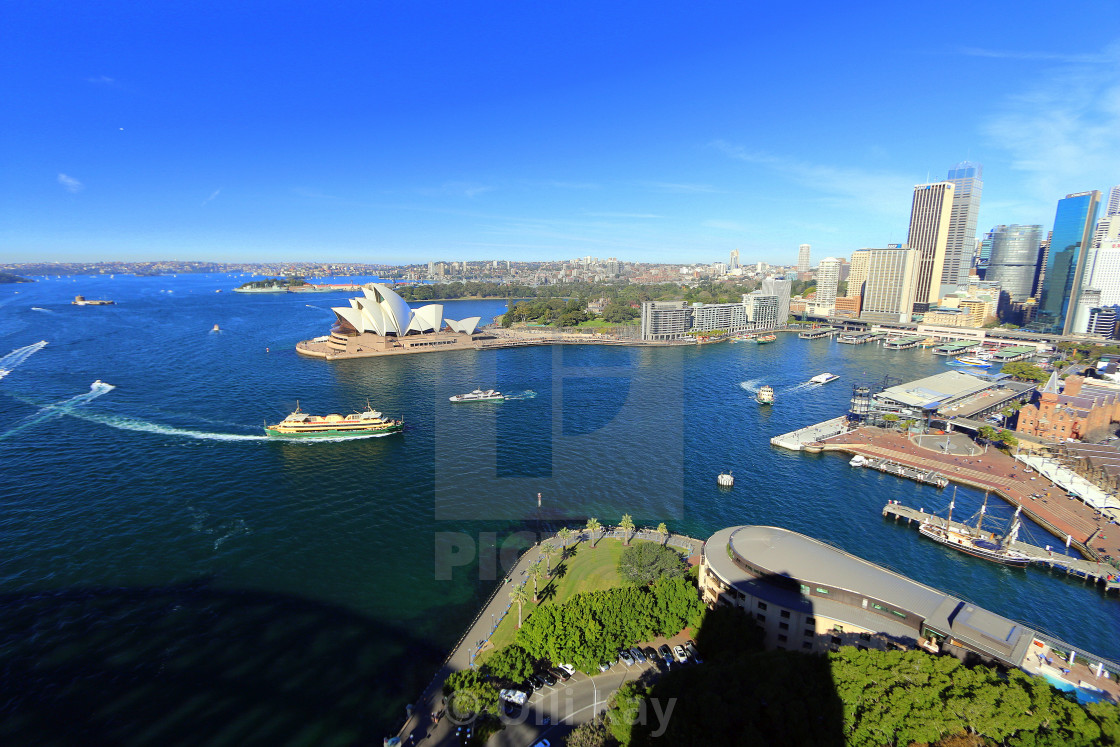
169,572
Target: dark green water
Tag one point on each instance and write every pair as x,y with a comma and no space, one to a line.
170,576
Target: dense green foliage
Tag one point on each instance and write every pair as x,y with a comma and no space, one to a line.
593,733
7,277
1086,352
274,283
1025,371
511,664
591,627
470,692
645,562
865,698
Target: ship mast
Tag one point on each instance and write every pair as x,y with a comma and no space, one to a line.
949,521
983,510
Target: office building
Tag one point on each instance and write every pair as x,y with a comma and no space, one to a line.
857,275
828,280
734,259
1108,229
967,181
1089,299
930,214
892,277
1104,274
1014,259
1113,205
1074,221
803,258
1102,321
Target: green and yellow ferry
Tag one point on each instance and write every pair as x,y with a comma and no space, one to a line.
301,425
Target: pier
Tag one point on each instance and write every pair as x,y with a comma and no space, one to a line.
955,348
926,477
816,334
859,338
903,343
1086,569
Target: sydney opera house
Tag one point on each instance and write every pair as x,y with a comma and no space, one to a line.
381,322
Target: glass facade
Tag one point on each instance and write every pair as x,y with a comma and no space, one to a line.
1014,256
1073,227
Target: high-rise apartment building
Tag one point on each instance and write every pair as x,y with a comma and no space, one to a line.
1014,259
1113,205
929,235
1104,274
1065,266
857,275
779,288
734,259
1108,229
967,181
803,258
892,280
828,280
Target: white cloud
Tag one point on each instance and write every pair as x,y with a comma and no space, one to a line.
1061,135
881,193
213,194
1039,56
102,80
70,184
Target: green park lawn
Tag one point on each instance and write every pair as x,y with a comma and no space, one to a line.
584,569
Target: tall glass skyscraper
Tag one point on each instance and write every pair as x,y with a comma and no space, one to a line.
1065,265
1013,260
967,180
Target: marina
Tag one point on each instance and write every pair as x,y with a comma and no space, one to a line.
927,477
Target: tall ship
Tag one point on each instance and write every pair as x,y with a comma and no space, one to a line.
301,425
975,541
478,395
765,395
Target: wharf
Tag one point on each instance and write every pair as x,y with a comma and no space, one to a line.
955,348
927,477
902,343
859,338
1086,569
816,334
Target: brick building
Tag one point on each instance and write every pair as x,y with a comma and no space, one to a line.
1081,409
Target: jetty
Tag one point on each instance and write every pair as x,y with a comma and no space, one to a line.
924,476
1089,570
859,338
903,343
818,333
955,348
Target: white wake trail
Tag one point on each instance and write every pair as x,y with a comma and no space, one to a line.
18,356
751,386
58,409
143,426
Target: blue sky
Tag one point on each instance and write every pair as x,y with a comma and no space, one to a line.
403,132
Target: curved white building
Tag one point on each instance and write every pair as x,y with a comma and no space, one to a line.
381,311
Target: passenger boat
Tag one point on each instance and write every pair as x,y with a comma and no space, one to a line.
478,395
765,395
857,461
301,425
970,360
823,378
763,339
975,541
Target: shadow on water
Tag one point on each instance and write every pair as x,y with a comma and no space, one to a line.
192,664
743,694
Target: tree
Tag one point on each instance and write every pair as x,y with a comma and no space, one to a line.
664,532
549,551
1007,439
987,433
627,525
645,562
510,663
565,536
536,572
590,734
519,596
1025,371
593,527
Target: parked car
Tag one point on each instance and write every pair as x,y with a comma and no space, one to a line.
638,655
566,668
690,647
666,654
604,666
682,657
560,674
651,653
625,657
536,682
548,677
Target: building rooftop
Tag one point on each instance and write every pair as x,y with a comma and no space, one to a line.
935,390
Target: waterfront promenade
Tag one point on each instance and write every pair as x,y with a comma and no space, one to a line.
420,725
997,472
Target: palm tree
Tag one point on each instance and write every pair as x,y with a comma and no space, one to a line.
664,532
519,597
536,572
565,536
627,525
549,551
593,526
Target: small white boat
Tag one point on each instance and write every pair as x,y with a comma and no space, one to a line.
478,395
858,460
823,378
